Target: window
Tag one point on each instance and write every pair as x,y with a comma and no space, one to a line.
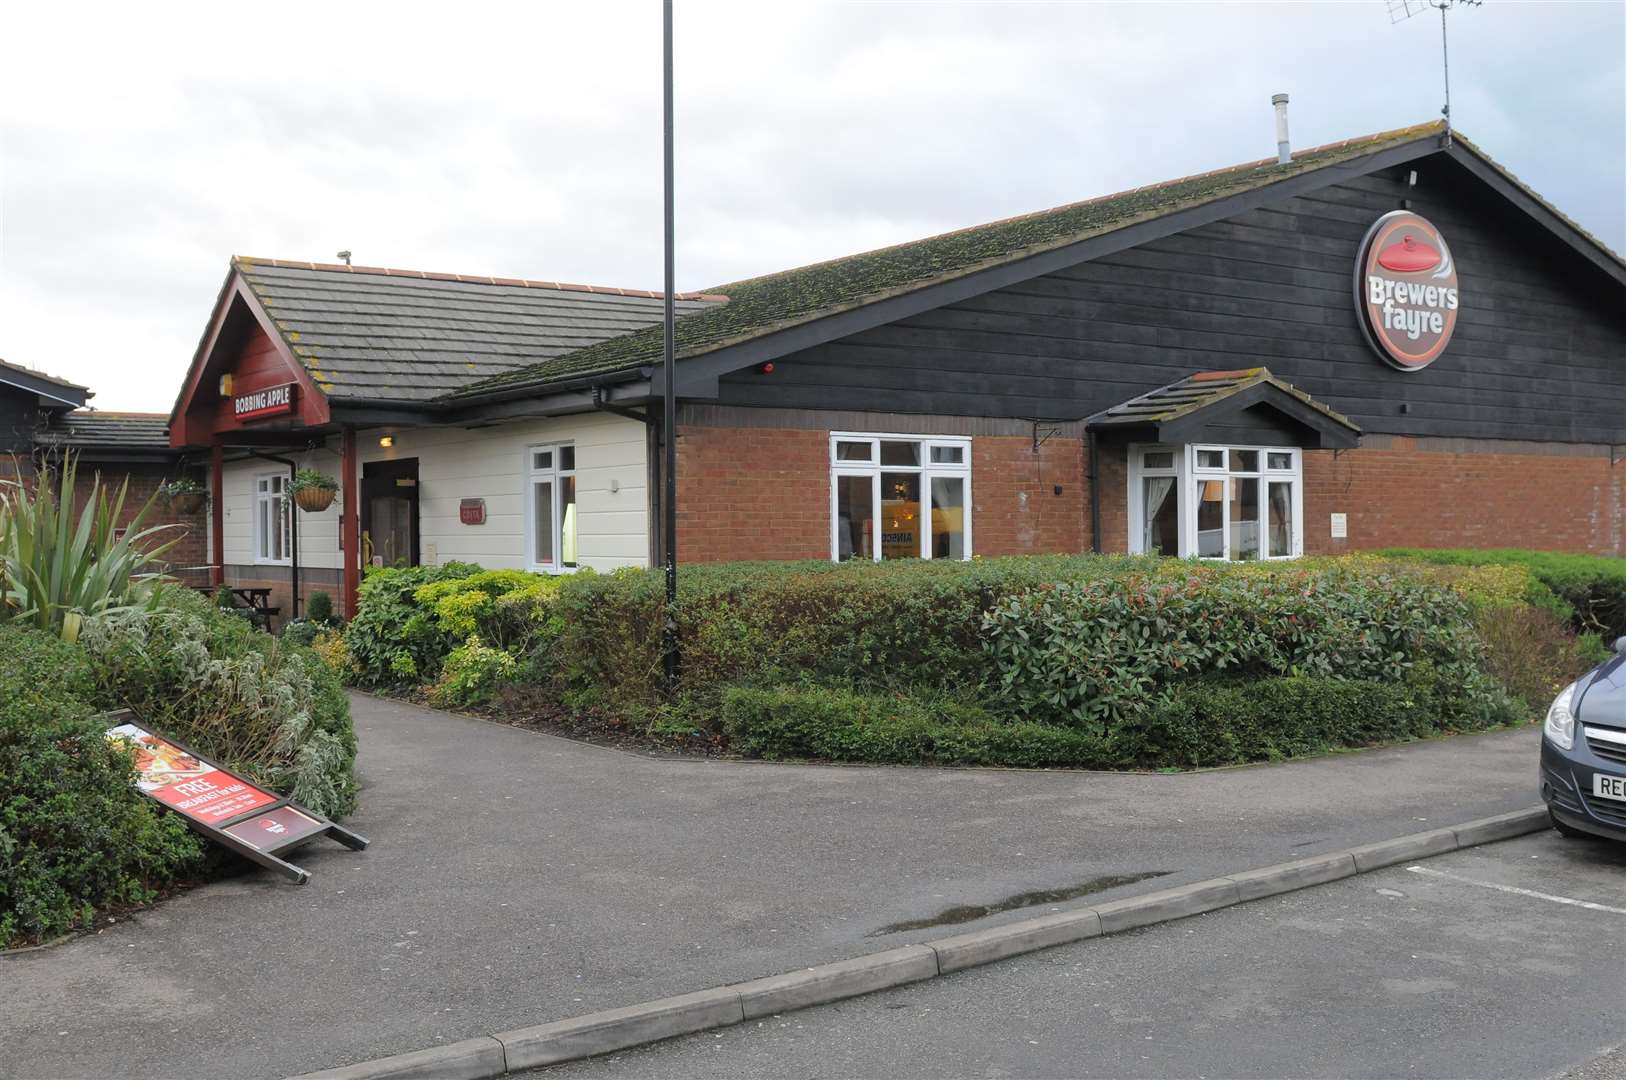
1238,503
899,497
272,539
552,508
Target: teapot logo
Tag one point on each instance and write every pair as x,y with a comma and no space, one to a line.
1406,290
272,826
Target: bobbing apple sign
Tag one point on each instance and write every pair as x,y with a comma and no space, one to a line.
1406,290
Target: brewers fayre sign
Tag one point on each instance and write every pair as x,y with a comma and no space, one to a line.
272,401
1406,290
220,804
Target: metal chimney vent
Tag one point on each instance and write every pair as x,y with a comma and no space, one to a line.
1284,149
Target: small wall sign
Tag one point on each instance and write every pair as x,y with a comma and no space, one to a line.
258,404
1340,527
221,805
472,511
1406,290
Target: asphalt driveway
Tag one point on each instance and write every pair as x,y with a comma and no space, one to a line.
516,878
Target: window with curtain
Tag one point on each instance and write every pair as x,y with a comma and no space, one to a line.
272,529
1237,503
899,497
553,507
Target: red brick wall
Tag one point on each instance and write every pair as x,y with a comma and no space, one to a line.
1016,510
1401,495
190,547
752,493
764,493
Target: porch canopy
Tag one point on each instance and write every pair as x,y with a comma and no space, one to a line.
1250,406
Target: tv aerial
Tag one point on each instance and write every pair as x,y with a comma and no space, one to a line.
1401,10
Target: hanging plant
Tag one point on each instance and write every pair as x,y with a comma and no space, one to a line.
185,495
313,490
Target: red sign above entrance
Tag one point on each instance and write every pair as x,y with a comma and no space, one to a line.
1406,290
272,401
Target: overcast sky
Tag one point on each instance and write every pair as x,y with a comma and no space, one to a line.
143,145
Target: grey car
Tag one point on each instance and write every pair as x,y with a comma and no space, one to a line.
1583,752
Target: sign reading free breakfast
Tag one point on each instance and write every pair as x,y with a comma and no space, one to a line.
272,401
220,804
1406,290
186,783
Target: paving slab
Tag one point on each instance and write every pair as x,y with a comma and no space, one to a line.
517,879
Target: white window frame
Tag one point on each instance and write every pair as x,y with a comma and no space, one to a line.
555,475
1189,482
927,470
272,488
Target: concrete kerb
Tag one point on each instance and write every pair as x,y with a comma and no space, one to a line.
619,1029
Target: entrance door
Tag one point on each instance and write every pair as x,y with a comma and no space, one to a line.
389,512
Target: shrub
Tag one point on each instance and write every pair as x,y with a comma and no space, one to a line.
507,608
260,706
58,568
319,609
842,724
1205,722
1531,653
1594,586
885,624
75,833
1094,652
330,648
301,632
473,674
393,639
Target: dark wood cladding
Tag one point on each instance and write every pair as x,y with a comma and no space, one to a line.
1539,351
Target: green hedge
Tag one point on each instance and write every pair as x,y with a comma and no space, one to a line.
1200,723
1081,639
1593,585
75,833
839,724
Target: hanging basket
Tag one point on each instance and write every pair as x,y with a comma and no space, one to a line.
314,500
189,502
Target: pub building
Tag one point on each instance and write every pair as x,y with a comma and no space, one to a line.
1385,341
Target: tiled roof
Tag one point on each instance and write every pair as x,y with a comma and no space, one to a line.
1200,391
405,335
778,301
113,430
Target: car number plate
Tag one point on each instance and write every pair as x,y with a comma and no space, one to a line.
1609,787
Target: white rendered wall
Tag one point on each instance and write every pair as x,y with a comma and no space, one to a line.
489,463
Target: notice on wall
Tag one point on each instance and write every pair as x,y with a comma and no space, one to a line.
221,805
1340,526
186,783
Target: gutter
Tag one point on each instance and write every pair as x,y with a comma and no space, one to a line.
1095,490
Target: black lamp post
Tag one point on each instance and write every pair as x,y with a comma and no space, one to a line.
669,630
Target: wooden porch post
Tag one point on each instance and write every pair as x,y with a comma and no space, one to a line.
217,514
350,521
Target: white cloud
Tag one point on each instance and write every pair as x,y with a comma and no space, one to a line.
139,150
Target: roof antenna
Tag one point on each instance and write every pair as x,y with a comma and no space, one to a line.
345,255
1401,10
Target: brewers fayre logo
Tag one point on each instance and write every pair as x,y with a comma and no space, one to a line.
1406,290
271,401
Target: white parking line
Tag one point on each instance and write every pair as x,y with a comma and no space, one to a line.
1589,905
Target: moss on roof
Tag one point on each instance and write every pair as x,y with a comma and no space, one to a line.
763,305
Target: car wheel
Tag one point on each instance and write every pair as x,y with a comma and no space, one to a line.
1565,830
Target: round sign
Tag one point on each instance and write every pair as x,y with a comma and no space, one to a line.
1406,290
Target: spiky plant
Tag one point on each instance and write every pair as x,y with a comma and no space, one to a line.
58,568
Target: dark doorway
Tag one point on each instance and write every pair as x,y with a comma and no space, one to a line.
389,513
